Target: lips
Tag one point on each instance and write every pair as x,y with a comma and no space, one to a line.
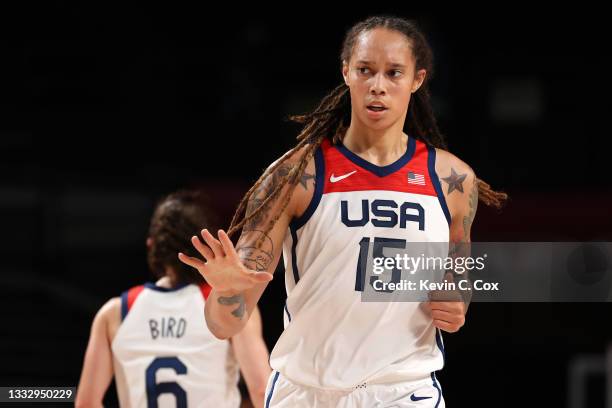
376,107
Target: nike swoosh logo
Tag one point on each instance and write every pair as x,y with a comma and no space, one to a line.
415,398
334,179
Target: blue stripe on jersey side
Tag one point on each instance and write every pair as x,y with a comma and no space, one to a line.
151,285
316,198
124,305
431,165
380,171
287,310
294,239
271,390
298,223
435,384
440,343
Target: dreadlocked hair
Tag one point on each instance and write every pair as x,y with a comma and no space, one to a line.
332,116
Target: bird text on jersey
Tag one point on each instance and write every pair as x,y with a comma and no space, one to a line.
167,327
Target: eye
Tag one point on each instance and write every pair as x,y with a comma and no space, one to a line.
363,70
395,73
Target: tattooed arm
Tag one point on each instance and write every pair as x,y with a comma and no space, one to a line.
237,275
460,190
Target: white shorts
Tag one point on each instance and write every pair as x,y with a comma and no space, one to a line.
427,393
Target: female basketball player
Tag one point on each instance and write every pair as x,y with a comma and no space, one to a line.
370,171
153,339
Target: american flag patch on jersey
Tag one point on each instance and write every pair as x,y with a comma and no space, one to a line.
416,178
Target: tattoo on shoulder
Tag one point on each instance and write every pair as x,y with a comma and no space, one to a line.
455,181
263,191
468,219
304,179
232,300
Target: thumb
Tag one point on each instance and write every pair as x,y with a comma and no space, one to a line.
262,277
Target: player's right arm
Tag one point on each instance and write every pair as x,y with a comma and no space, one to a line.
239,275
98,364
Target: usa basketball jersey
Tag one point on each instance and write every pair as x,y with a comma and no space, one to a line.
164,355
332,339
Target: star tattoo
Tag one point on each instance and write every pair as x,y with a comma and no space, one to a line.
304,179
455,181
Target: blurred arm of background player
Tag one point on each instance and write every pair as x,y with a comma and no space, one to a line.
239,275
460,188
252,355
98,364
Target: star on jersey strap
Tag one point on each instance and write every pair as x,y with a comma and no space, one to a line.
455,181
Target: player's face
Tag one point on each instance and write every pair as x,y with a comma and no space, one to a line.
381,71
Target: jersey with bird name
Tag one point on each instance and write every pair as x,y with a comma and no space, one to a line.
164,355
336,337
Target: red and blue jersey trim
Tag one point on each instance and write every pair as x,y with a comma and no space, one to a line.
336,160
340,161
128,298
431,166
419,159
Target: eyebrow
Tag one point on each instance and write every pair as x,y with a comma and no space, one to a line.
393,65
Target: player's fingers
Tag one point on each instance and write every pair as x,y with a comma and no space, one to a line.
203,249
448,317
227,244
444,296
213,243
193,262
453,307
447,327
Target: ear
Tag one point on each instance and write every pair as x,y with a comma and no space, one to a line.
149,242
345,72
419,78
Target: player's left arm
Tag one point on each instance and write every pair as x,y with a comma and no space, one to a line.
252,355
460,188
98,365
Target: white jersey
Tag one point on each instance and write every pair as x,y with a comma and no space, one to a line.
164,355
333,339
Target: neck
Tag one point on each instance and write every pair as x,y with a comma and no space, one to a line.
378,146
167,281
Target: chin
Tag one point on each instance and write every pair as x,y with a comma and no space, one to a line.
377,124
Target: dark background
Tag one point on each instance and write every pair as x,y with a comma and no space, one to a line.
106,108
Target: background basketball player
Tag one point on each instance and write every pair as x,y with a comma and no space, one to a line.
154,340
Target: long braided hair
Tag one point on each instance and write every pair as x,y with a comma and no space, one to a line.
332,117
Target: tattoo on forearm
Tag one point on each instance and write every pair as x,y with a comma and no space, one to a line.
461,250
461,247
256,257
468,219
232,300
455,181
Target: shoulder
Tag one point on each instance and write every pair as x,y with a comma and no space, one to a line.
299,164
458,182
446,163
108,317
289,160
111,308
